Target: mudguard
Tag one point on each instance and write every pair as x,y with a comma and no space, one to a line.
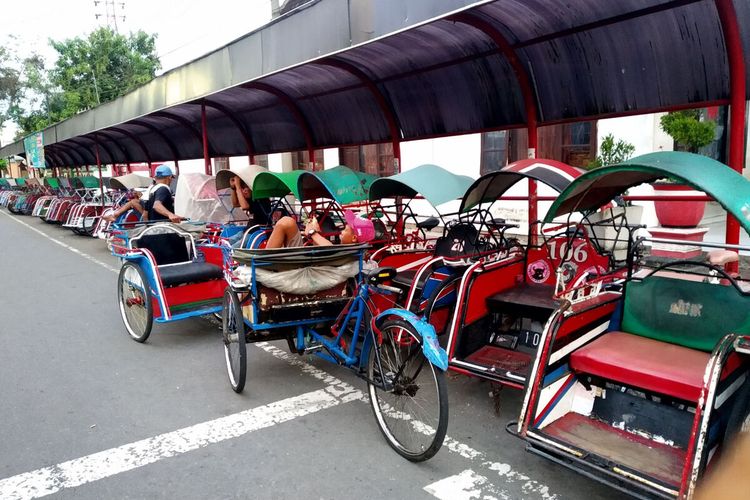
430,345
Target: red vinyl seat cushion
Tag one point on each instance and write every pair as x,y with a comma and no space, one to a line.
644,363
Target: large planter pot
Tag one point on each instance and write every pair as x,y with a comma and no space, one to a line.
678,213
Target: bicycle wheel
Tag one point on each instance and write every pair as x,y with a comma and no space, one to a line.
409,396
134,297
235,348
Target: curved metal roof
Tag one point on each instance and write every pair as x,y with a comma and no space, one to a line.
481,68
598,187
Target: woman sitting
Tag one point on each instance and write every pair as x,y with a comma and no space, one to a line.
286,234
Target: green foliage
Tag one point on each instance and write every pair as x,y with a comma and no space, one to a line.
10,84
88,71
611,152
689,133
3,165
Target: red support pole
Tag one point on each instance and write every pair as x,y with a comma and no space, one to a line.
101,181
204,131
733,43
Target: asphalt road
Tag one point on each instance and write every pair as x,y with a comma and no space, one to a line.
85,412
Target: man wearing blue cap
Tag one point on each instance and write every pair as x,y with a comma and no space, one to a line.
160,203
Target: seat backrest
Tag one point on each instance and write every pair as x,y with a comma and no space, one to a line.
167,248
461,239
692,314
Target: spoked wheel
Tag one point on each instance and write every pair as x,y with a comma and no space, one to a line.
89,224
134,297
408,394
235,347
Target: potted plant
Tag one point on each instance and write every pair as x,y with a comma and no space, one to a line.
689,134
608,224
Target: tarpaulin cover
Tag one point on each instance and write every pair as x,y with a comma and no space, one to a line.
130,181
196,198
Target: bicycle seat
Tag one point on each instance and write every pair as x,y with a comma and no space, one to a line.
429,223
380,275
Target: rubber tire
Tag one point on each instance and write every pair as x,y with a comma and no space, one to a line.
441,392
442,337
138,336
232,312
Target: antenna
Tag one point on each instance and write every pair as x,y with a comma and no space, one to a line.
109,13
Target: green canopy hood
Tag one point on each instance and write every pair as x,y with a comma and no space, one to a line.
435,184
598,187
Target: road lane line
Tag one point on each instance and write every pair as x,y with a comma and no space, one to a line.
64,245
467,485
77,472
505,472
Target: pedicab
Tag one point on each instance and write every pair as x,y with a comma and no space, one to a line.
641,384
129,186
322,302
167,274
408,219
51,192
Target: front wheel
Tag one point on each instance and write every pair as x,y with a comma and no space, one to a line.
134,297
408,394
235,348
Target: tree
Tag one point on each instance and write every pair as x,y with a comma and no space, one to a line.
689,133
88,71
611,152
10,85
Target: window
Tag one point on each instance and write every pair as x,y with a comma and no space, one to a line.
300,160
494,151
375,159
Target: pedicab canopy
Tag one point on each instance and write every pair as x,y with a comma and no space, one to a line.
247,173
598,187
130,181
4,183
339,183
433,183
196,198
89,181
493,185
20,181
51,182
276,184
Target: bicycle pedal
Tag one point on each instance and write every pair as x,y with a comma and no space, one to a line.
311,348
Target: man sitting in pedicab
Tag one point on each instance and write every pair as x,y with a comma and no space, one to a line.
156,204
286,234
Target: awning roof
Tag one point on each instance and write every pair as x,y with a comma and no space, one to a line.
432,182
598,187
339,183
464,72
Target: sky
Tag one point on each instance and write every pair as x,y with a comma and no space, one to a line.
186,29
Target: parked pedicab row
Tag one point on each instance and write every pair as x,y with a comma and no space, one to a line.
634,373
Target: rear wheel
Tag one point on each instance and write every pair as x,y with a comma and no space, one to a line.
408,394
235,347
134,297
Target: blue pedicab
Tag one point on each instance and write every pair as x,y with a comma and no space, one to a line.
166,274
346,316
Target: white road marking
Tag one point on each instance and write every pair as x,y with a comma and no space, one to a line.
505,473
468,485
49,480
64,245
